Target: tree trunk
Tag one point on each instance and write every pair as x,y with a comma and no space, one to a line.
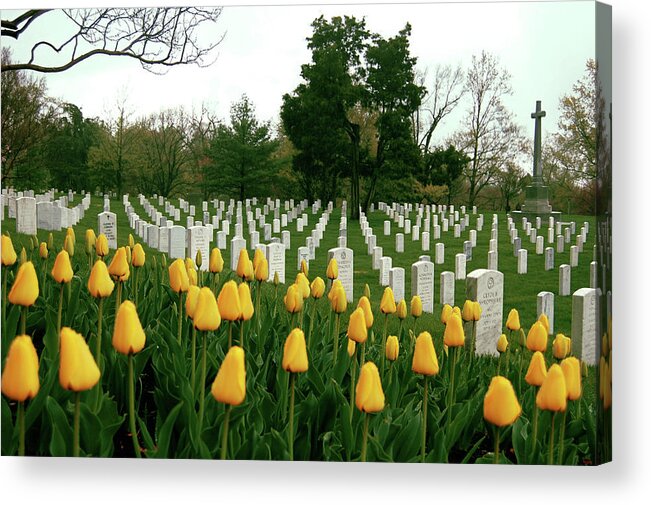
354,134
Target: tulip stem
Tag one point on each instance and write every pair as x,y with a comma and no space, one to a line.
561,438
384,344
4,301
424,436
242,333
353,372
257,306
75,432
135,285
365,437
335,340
118,297
497,445
227,418
363,356
23,320
59,313
202,385
309,335
98,343
180,314
290,435
193,378
550,459
472,343
453,364
20,418
230,334
535,426
508,353
132,414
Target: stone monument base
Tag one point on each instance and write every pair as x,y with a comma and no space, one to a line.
536,204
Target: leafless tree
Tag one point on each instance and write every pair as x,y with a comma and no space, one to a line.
157,37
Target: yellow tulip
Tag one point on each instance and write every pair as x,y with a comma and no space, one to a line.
392,348
416,306
42,251
537,370
425,361
502,343
119,266
262,270
128,335
501,406
191,301
388,302
561,346
9,255
101,245
537,337
20,380
69,245
369,396
216,261
295,352
339,302
24,290
336,284
572,372
351,347
332,272
229,386
446,312
258,256
365,304
62,269
468,310
207,316
317,288
454,336
90,241
100,284
476,311
401,309
513,320
130,241
357,326
77,368
305,269
192,277
189,265
544,321
245,301
179,281
303,285
249,274
137,256
228,302
552,394
243,263
50,241
293,299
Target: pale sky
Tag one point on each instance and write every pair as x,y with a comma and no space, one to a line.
544,46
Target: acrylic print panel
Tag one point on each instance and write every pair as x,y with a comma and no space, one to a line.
368,129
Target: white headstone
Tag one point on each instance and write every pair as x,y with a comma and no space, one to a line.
176,242
275,253
397,283
545,305
237,244
492,260
446,290
387,227
593,274
487,288
460,266
26,215
376,258
522,261
425,241
386,263
549,258
400,242
344,258
422,283
439,253
199,240
107,224
564,277
585,329
574,256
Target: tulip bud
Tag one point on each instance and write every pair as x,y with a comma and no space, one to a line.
229,386
191,301
23,256
245,301
128,335
101,245
537,370
392,348
189,265
42,251
572,372
501,406
33,242
502,343
24,290
163,261
130,241
367,292
401,309
138,256
77,368
416,306
332,272
561,346
365,304
351,347
357,326
276,278
305,269
71,233
62,270
468,309
192,277
9,255
513,320
243,263
454,336
537,337
446,312
100,284
119,266
228,302
303,285
216,261
425,361
69,245
50,241
262,270
552,394
544,321
198,259
317,288
338,300
207,316
20,380
369,396
258,256
179,281
295,352
388,302
293,299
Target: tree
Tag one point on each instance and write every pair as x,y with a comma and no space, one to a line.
444,167
491,137
242,153
155,37
511,182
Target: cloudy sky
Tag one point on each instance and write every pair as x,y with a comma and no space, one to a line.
544,46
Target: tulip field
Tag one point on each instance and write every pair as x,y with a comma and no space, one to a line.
126,353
